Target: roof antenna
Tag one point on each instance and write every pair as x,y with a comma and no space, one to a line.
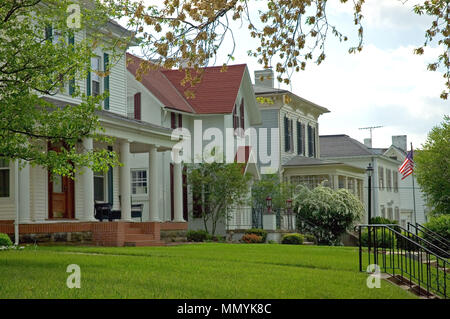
370,128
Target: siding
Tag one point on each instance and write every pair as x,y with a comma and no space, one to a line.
39,193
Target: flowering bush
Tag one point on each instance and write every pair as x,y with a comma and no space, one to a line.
252,239
326,213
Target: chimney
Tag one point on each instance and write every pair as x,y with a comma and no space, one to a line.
399,141
267,78
368,142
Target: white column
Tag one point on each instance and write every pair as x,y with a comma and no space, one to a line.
154,185
87,179
178,193
125,181
24,194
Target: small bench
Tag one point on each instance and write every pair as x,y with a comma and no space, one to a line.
136,210
104,211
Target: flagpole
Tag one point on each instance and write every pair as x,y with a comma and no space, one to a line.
413,190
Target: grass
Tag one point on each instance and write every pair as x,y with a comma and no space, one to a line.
190,271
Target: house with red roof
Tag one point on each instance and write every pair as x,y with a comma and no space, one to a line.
221,103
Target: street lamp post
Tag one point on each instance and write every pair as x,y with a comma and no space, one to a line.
289,211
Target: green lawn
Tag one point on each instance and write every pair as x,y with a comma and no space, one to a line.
190,271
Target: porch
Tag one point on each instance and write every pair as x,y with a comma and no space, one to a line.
49,205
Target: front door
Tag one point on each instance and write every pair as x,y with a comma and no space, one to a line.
61,191
61,196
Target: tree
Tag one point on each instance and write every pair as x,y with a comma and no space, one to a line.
271,185
39,58
291,33
220,186
432,167
326,213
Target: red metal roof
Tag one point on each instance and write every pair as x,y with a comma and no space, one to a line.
215,94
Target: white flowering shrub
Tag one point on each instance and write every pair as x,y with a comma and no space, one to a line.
326,213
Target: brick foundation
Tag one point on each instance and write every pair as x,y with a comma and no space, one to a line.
119,233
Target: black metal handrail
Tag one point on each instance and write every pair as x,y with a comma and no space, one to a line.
438,250
404,259
431,234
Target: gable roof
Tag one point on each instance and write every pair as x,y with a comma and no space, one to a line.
159,86
215,94
342,146
217,91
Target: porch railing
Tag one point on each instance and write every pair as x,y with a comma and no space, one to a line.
240,218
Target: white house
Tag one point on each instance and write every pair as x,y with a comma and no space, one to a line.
223,100
62,209
391,197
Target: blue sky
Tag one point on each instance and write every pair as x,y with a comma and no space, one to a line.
385,84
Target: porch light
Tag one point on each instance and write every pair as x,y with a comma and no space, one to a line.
289,204
269,203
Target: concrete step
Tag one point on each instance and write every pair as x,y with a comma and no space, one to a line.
142,243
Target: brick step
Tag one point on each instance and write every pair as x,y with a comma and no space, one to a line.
134,230
133,237
142,243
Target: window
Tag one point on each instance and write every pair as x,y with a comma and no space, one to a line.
139,182
383,211
360,189
239,117
288,136
388,180
99,186
4,178
397,213
95,77
351,185
390,215
395,179
300,139
310,181
341,180
311,141
176,120
380,178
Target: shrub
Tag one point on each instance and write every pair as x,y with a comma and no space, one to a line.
5,240
259,232
441,225
198,235
292,239
382,220
252,239
310,238
388,242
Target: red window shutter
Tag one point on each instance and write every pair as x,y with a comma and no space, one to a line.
173,121
180,120
242,115
137,106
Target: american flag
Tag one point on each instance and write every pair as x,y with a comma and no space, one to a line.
407,166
